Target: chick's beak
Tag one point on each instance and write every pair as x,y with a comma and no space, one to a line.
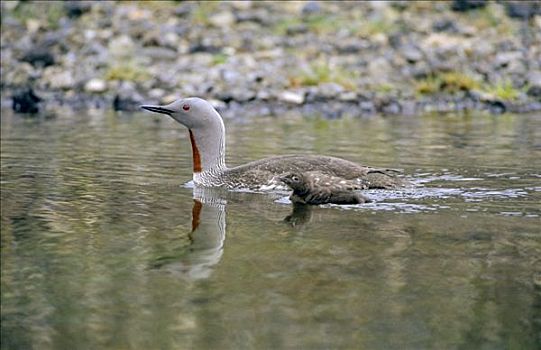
284,179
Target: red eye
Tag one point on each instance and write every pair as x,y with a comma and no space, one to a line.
186,107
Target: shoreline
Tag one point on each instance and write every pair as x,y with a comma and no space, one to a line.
327,58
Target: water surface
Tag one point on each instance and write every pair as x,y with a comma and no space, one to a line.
104,246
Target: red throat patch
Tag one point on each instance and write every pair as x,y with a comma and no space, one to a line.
195,154
196,213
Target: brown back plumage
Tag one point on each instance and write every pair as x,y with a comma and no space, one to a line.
314,187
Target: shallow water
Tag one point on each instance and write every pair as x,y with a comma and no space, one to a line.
103,246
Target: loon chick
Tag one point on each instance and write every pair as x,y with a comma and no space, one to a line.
207,136
314,187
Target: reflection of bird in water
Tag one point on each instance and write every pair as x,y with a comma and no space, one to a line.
300,215
204,249
314,187
207,135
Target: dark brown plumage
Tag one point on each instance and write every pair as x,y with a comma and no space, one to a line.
314,187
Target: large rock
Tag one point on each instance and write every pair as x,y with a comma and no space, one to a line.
467,5
26,101
75,9
222,19
57,78
39,57
522,9
534,83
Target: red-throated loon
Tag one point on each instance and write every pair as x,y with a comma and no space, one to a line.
207,135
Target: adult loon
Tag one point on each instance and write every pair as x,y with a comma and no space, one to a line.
207,136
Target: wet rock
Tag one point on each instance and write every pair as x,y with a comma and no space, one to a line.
503,59
311,7
222,19
379,70
352,46
96,86
292,97
75,9
57,78
9,5
496,107
156,94
534,83
237,94
39,57
160,53
127,98
445,25
183,10
367,107
218,104
411,53
207,48
122,47
467,5
259,16
329,90
26,101
263,95
296,29
389,106
522,9
409,108
20,75
348,96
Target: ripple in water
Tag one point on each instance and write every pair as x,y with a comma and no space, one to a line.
403,200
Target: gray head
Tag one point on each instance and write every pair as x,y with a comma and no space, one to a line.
207,131
295,181
192,112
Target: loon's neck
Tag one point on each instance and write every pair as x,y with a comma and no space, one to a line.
208,151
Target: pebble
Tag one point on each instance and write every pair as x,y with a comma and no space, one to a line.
222,19
291,97
96,86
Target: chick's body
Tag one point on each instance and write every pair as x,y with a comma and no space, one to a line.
316,188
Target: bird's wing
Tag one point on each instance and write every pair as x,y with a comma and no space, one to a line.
319,196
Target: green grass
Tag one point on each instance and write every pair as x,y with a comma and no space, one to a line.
450,82
491,16
503,90
219,58
203,11
453,82
127,71
47,12
383,88
376,26
322,73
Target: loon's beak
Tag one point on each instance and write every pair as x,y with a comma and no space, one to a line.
158,109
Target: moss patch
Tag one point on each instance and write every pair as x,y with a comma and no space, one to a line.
128,71
450,82
503,90
47,12
322,73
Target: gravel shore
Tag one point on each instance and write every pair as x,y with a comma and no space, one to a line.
322,58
